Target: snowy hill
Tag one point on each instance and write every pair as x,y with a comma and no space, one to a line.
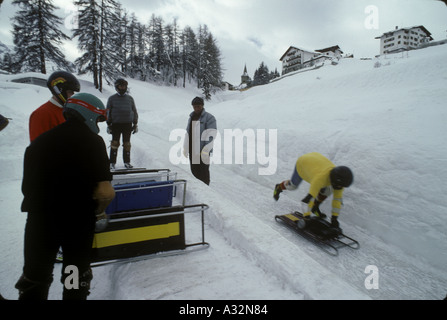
387,121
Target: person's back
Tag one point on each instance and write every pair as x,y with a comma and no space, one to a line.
65,160
66,186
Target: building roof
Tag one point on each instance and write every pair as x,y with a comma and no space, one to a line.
296,48
333,49
409,28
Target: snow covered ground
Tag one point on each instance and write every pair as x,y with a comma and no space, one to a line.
386,119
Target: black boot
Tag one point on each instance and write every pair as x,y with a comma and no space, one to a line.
113,155
33,290
126,155
83,291
114,145
277,191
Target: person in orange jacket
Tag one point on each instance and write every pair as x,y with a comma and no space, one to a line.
324,177
62,85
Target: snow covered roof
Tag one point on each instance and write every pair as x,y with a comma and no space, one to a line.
332,49
296,48
409,28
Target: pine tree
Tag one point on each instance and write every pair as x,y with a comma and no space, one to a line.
37,36
190,53
157,45
262,75
172,52
95,22
120,38
88,35
211,70
110,42
8,63
115,43
202,34
132,43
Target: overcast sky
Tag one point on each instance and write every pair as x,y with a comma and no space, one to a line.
254,31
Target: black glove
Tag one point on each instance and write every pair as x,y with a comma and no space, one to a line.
307,198
316,210
134,129
334,222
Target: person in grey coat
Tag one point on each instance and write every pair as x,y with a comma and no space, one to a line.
122,119
200,133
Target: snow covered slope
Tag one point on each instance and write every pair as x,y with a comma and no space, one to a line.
385,119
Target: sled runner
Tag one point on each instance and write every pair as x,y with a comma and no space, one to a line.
319,231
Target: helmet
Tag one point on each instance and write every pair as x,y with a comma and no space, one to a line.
61,81
118,82
87,108
341,177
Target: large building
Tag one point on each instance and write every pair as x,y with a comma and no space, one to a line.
333,52
295,58
404,39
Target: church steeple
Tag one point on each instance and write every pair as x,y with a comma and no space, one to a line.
245,78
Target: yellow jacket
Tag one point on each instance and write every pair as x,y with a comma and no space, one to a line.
315,169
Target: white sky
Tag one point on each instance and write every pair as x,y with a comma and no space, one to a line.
254,31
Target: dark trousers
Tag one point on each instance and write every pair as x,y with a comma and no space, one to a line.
43,237
201,171
118,129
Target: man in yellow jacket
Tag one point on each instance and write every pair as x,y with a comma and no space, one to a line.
324,177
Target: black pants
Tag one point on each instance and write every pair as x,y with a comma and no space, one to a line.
201,171
43,237
118,129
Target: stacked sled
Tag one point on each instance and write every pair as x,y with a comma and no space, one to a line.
148,218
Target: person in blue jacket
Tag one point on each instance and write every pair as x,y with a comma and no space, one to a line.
200,132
